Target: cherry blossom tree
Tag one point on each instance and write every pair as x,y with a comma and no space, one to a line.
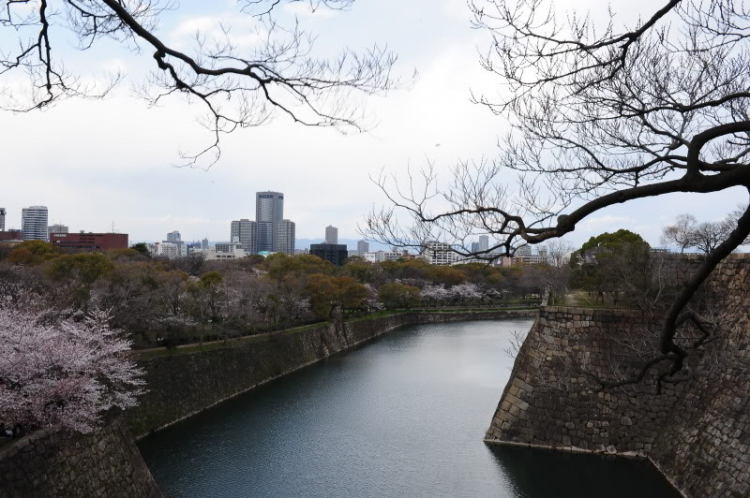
64,373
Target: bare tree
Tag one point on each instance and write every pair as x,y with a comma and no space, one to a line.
237,86
680,233
706,236
557,276
599,115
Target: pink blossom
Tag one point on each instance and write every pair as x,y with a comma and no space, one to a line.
63,373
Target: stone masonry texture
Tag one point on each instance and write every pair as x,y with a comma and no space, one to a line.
697,431
54,464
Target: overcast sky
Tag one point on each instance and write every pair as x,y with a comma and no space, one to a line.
99,163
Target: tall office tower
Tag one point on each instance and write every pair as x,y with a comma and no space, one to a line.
58,228
243,231
269,211
332,235
2,219
484,242
475,247
204,244
34,223
174,236
285,237
363,247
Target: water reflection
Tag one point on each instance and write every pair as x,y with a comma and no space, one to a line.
403,416
533,473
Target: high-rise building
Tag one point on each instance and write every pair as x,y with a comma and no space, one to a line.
2,219
439,253
335,253
244,232
269,211
204,244
285,237
332,235
523,251
57,228
363,247
475,247
173,247
484,243
34,223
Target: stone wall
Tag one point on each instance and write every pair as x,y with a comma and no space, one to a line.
184,382
696,431
54,464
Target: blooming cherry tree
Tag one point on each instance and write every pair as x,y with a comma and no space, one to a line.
62,372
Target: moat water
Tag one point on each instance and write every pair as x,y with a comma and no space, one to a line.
402,416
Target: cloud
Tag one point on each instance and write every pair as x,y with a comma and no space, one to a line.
240,30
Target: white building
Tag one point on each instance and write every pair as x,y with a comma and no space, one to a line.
380,256
169,250
34,223
173,247
224,251
439,253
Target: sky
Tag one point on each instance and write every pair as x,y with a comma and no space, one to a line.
99,164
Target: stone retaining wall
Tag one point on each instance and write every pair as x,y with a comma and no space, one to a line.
696,431
54,464
182,384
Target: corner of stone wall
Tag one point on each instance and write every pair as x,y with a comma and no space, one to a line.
53,464
697,432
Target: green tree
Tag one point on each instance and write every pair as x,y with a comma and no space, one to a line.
613,263
32,253
328,293
280,265
80,271
395,295
142,248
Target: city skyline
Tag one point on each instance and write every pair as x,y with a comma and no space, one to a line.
146,196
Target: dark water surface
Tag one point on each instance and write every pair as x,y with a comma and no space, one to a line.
402,416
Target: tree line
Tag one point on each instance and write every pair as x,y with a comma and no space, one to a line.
160,301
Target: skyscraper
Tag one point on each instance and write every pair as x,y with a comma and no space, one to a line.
204,244
243,231
285,237
269,211
174,236
332,235
484,242
2,219
34,223
363,247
